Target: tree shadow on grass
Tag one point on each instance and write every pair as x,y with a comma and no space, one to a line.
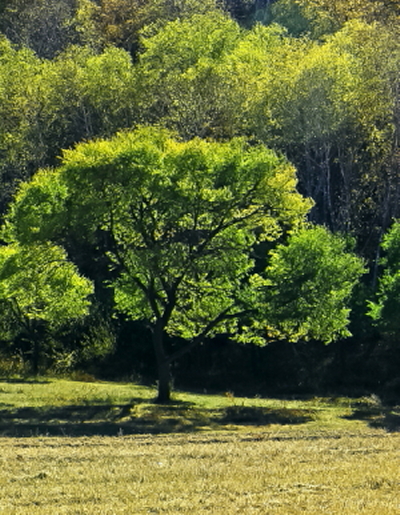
377,415
244,415
30,380
137,417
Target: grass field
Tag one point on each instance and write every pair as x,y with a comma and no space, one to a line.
99,448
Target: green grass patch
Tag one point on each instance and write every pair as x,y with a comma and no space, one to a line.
57,407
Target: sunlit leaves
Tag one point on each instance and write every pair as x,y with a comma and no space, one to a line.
49,105
307,286
119,22
181,75
384,309
40,284
37,208
321,17
182,218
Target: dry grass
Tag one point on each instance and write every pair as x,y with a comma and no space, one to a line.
257,472
229,456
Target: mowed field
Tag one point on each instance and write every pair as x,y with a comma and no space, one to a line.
77,448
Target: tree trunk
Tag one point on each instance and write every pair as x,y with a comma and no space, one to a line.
164,382
35,354
163,366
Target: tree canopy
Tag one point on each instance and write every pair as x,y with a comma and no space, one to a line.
182,218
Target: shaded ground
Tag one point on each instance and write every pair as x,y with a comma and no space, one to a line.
376,414
135,418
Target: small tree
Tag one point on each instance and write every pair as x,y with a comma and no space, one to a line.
41,291
385,307
305,291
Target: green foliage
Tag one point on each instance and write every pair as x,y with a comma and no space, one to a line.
119,22
331,107
181,219
49,105
385,307
19,72
98,341
38,209
322,17
89,95
40,284
182,216
44,26
181,77
307,286
40,291
291,15
321,88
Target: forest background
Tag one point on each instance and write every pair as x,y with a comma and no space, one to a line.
313,80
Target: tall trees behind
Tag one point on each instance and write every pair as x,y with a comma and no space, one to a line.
331,106
48,27
41,25
47,105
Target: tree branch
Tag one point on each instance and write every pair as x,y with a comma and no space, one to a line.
224,315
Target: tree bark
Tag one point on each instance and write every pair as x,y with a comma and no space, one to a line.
163,365
164,382
35,354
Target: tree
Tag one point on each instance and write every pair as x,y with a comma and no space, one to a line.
181,76
181,220
88,95
44,26
40,290
17,114
119,22
332,108
55,103
321,17
307,286
385,308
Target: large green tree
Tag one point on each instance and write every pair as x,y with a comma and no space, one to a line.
181,220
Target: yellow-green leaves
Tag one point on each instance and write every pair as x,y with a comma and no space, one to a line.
308,284
37,212
181,219
181,75
321,17
40,284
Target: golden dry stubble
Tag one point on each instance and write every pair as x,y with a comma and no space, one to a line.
257,471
